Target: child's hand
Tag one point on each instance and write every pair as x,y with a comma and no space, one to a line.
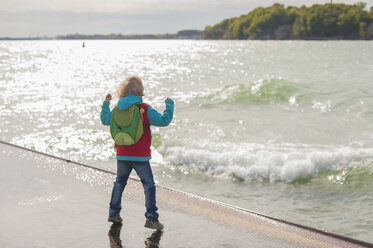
108,97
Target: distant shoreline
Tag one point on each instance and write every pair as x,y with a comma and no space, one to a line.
183,34
83,39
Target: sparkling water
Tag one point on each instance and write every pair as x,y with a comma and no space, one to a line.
284,128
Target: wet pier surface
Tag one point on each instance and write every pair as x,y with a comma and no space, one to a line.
49,202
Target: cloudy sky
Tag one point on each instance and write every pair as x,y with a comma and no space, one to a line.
30,18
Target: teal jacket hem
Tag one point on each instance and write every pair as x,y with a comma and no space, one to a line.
129,158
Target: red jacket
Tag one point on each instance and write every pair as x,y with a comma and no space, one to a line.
140,150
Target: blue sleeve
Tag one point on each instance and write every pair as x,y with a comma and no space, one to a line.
161,120
105,113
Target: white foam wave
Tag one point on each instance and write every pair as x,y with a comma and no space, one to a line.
285,162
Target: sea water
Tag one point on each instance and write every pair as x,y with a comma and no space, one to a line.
284,128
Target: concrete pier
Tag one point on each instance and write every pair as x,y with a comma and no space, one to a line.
50,202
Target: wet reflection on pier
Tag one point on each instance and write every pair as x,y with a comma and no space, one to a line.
115,242
154,239
114,235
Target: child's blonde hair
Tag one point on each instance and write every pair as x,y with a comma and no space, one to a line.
132,85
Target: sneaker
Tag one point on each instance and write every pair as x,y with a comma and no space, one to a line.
115,219
153,224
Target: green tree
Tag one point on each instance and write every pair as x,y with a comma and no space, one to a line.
217,31
236,28
266,21
349,21
322,20
363,26
300,23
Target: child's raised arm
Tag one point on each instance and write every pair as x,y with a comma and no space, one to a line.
105,111
161,120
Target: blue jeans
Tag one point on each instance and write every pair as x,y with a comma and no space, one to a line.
144,171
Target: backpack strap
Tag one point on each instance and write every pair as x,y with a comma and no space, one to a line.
141,111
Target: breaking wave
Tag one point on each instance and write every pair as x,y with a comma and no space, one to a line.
262,91
285,162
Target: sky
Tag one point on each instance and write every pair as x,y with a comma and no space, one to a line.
35,18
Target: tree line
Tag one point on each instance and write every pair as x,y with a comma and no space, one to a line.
328,21
183,34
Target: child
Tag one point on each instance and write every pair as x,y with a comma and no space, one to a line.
136,156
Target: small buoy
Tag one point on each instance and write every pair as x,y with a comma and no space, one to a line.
83,44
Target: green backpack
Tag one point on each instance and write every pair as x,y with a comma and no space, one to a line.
126,125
